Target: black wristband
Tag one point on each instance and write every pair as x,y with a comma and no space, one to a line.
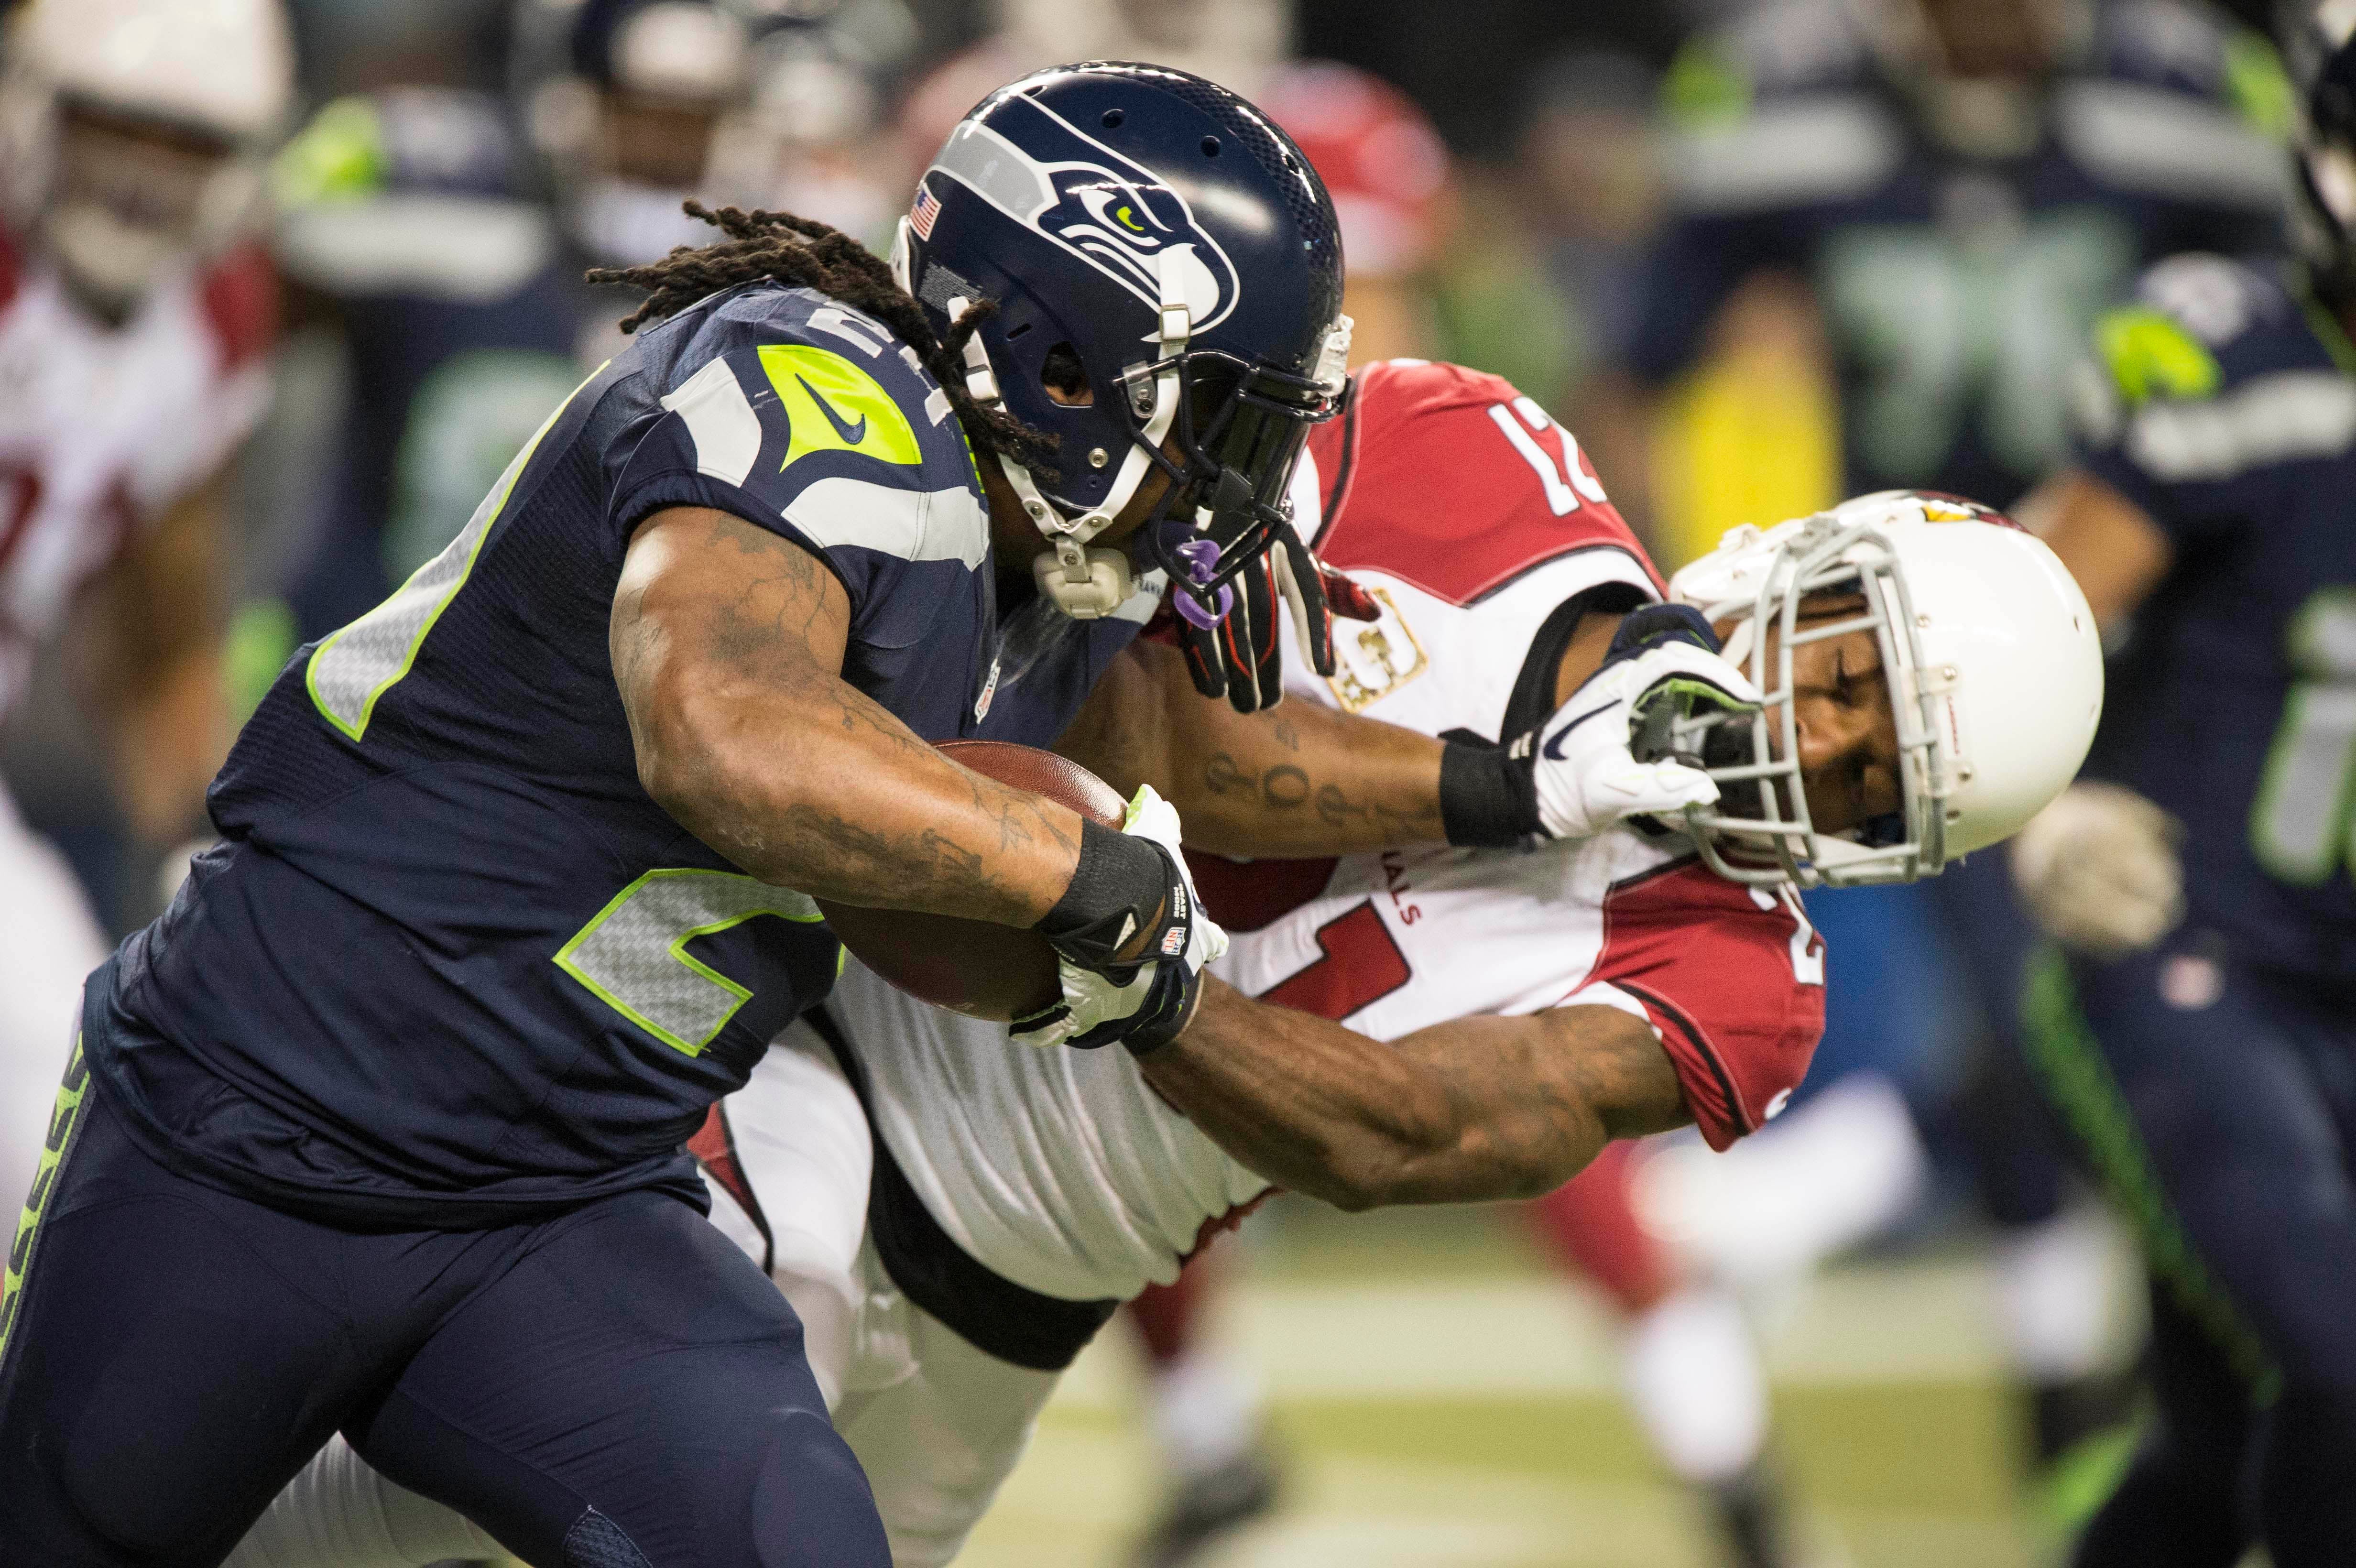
1657,625
1120,885
1488,798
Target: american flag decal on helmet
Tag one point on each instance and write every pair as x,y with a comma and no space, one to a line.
926,211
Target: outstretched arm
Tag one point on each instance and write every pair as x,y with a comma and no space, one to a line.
1305,780
1301,780
727,643
1474,1111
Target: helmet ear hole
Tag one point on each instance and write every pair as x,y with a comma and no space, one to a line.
1066,379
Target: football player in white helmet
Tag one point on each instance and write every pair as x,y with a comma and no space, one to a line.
1884,596
135,313
136,132
1981,716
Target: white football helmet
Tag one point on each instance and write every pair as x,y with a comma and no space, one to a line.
220,69
1995,677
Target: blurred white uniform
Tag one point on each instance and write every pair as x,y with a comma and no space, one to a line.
953,1226
102,430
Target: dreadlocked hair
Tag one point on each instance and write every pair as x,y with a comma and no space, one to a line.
802,253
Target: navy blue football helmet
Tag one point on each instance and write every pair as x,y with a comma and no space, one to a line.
1153,234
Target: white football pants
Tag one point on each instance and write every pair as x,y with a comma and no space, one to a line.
936,1424
50,941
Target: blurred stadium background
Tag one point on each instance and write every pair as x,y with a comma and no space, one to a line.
1437,1392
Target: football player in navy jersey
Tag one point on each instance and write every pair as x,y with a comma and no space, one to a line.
1961,187
2199,1034
518,870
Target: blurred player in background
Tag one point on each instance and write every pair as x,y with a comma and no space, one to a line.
2199,1036
1393,189
1957,188
136,313
652,107
1963,185
1238,44
417,219
408,218
1589,157
639,104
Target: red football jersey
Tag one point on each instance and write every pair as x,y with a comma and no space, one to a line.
1473,519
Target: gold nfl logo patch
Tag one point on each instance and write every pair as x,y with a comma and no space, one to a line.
1371,660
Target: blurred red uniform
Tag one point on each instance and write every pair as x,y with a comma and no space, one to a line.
103,429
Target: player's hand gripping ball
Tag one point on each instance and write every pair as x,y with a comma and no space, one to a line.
976,967
1132,963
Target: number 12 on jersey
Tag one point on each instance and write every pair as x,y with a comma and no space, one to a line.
1564,486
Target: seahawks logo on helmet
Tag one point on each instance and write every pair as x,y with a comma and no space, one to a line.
1114,214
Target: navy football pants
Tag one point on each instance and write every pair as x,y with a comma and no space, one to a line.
616,1387
2219,1105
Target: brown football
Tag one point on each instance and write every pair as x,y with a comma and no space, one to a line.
974,967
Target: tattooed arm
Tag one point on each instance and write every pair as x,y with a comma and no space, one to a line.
727,644
1470,1112
1300,780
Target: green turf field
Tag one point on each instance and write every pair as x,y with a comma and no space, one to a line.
1450,1402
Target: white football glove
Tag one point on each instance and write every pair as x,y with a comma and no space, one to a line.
2098,870
1143,1004
1587,780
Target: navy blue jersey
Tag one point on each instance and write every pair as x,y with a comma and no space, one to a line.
1958,249
2222,404
450,957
